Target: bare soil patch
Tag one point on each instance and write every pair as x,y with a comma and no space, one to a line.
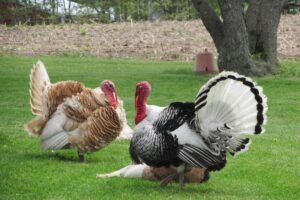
166,40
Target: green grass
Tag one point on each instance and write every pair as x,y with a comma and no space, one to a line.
269,170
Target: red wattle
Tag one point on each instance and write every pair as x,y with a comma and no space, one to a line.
114,100
140,108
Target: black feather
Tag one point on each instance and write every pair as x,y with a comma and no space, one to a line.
174,116
133,155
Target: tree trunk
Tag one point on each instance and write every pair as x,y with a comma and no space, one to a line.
69,11
229,36
234,53
211,21
262,21
53,5
236,38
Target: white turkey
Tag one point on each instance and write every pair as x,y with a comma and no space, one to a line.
143,171
200,133
71,115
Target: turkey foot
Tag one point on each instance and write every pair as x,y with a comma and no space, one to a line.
171,178
181,180
81,157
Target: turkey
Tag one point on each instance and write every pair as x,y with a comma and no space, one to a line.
142,171
199,133
70,115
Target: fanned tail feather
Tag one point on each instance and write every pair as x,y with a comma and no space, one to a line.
228,106
35,126
39,82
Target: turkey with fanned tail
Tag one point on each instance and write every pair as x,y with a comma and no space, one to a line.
198,134
71,115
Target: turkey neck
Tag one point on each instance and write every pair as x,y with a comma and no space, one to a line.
140,107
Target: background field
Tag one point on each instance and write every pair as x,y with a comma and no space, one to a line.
269,170
161,40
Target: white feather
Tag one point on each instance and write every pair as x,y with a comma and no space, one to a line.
126,133
231,102
130,171
53,135
153,112
186,135
229,106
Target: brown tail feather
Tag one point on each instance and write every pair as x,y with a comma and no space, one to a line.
35,126
39,81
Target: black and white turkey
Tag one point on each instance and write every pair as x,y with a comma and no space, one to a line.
199,133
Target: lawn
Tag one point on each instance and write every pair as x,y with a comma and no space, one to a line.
269,170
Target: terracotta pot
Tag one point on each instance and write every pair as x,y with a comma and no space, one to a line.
205,62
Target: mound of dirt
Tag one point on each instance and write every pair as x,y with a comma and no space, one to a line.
166,40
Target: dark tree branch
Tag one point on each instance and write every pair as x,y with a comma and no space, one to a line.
211,21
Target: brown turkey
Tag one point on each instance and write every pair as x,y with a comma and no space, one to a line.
69,115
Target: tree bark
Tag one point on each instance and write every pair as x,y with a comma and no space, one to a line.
262,20
211,21
229,36
234,54
251,19
239,36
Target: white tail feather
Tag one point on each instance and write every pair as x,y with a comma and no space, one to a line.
231,105
39,83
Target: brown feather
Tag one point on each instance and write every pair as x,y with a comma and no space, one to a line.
45,98
91,100
59,91
78,113
36,125
55,96
195,175
86,111
100,129
88,102
38,81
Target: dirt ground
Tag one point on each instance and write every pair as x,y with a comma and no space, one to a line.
167,40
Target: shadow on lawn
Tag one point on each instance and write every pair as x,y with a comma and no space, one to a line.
173,188
143,186
58,156
179,72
